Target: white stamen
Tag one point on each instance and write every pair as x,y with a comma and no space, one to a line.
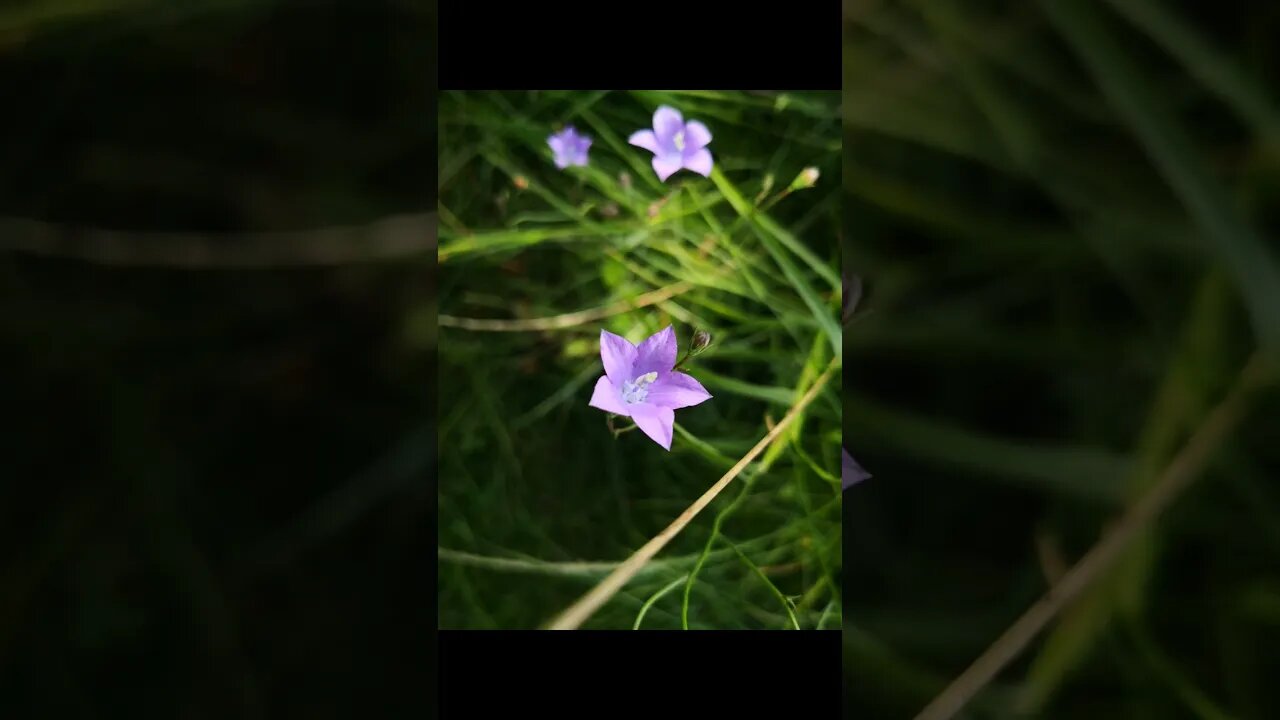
679,140
637,391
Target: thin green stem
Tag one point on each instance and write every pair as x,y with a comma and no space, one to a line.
706,550
655,598
795,624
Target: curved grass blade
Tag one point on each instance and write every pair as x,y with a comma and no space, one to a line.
644,609
795,625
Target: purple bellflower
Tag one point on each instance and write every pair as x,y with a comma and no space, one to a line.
675,144
640,382
850,471
569,147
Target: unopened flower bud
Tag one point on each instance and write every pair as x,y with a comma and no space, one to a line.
807,178
701,340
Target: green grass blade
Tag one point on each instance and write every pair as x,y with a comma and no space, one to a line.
795,624
1227,234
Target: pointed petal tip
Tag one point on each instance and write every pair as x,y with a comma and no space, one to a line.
658,423
701,162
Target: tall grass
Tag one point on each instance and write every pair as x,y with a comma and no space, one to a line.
1065,216
538,500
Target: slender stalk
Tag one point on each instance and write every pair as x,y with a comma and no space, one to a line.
655,598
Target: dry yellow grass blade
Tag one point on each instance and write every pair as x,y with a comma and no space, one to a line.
573,319
389,238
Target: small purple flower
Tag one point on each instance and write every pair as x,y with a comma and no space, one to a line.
570,148
640,382
850,471
675,144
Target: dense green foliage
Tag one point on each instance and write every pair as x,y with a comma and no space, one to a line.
537,497
1066,216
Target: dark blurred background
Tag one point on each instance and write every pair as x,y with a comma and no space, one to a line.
1065,215
217,357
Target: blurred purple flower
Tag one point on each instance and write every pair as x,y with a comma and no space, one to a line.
675,144
570,148
850,471
640,382
849,298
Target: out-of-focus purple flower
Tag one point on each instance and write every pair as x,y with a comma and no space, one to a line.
569,147
849,300
850,471
675,144
640,382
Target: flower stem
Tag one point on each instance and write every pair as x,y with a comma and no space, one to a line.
618,431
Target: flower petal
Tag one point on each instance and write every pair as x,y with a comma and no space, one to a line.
557,144
656,422
677,390
656,354
667,121
607,398
618,355
666,165
580,151
850,471
644,139
696,135
700,162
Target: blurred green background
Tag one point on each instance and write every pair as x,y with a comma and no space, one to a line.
537,499
1066,216
218,441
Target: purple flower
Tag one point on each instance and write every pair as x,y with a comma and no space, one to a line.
675,144
640,382
850,471
569,147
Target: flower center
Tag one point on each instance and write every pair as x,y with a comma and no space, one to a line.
635,391
678,140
